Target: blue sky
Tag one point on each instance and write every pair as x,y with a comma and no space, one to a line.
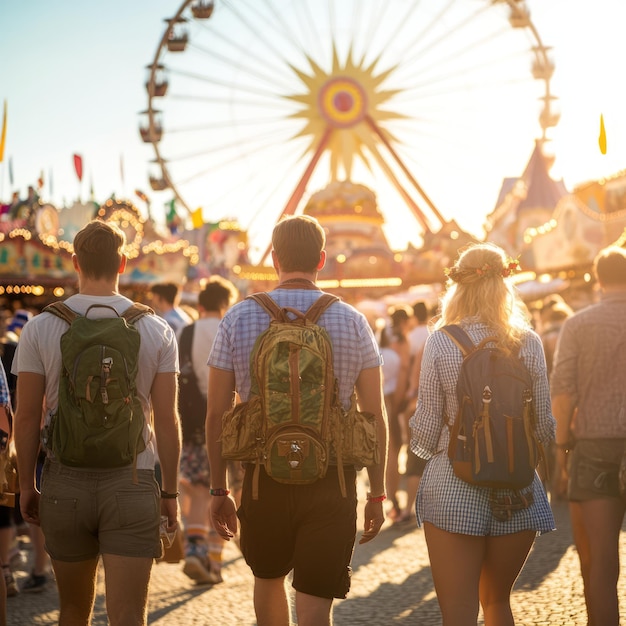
73,75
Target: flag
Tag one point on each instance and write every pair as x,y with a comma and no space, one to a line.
50,189
171,213
11,171
122,169
40,180
78,166
602,137
141,195
196,218
3,135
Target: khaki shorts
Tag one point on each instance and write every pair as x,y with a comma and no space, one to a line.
87,512
593,467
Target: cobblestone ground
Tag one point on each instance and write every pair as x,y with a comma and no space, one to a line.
391,585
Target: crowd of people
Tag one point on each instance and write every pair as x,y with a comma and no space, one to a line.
401,366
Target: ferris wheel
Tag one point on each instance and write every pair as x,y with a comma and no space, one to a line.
252,105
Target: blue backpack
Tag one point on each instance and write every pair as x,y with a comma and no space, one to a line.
493,441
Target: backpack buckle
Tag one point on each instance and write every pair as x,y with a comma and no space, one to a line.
487,394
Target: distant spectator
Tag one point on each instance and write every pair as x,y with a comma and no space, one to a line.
589,403
553,313
166,302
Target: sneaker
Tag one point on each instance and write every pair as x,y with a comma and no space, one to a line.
11,585
35,583
195,568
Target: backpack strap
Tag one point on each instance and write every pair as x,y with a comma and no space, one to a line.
131,314
280,314
136,311
60,309
460,338
319,306
463,341
265,301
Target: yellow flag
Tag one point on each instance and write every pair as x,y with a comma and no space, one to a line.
602,137
196,218
3,135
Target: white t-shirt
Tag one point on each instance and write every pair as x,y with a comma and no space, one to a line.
204,333
39,352
417,338
391,370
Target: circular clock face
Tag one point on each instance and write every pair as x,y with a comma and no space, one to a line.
47,220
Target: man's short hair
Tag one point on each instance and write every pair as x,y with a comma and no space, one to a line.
400,313
167,291
98,249
610,266
298,241
217,294
420,311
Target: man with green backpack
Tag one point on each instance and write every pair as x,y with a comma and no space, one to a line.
299,360
103,369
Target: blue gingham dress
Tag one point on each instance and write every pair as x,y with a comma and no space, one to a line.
443,499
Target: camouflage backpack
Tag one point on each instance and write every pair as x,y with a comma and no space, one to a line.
293,423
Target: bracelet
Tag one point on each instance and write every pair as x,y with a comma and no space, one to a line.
381,498
169,496
219,492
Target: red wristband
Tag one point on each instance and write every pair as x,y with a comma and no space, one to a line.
219,492
381,498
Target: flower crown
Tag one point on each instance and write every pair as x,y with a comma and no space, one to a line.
470,274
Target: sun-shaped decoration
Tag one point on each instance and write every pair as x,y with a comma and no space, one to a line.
341,107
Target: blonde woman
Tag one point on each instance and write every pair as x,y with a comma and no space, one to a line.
475,557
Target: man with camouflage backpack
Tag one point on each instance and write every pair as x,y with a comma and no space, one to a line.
298,511
99,496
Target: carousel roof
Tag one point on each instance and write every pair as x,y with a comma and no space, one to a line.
535,188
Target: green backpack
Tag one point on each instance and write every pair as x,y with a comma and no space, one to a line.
294,424
99,421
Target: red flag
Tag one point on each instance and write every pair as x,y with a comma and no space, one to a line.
141,195
78,166
3,132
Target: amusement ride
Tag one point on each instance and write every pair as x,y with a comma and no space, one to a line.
254,105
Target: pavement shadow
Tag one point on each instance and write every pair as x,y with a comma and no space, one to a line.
548,550
412,602
383,541
179,597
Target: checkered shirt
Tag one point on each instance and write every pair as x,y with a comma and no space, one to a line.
443,499
590,366
354,344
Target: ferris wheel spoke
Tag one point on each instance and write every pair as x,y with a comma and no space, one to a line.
487,42
268,138
211,80
461,72
229,61
274,104
244,51
403,22
446,36
279,26
220,124
255,32
423,32
374,27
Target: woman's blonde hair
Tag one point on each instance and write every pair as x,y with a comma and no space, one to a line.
477,288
